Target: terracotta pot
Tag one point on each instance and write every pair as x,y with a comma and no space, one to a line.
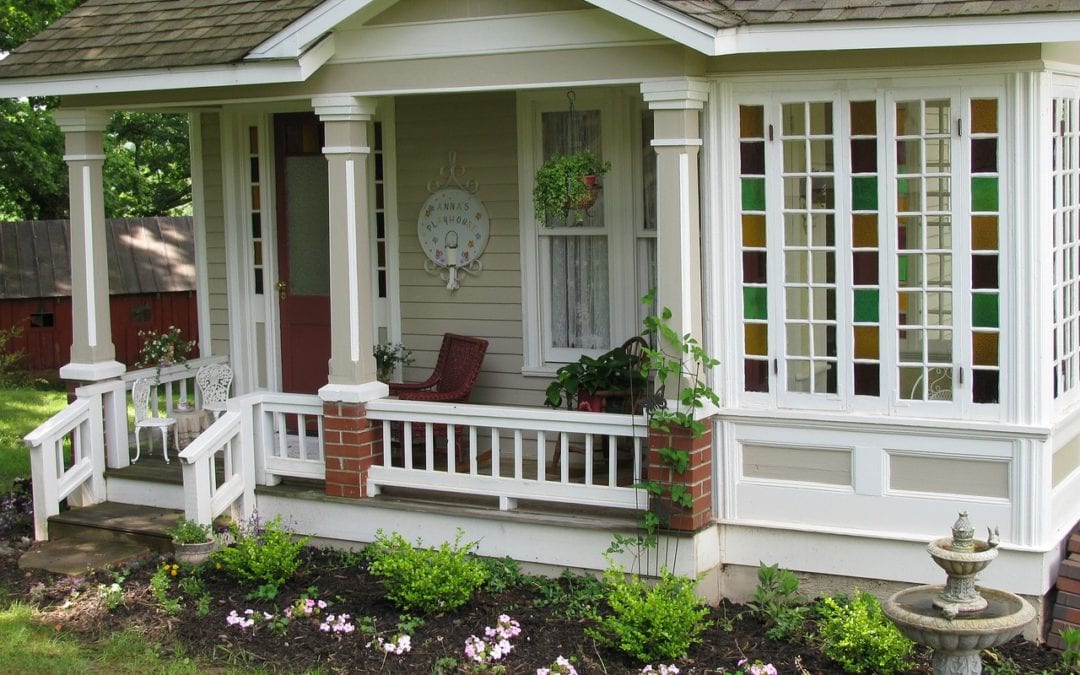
591,403
193,554
594,189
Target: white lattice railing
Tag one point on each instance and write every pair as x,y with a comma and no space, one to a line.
510,453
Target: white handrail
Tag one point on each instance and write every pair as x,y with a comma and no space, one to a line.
205,498
80,426
611,448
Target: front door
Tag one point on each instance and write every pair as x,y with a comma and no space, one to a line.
303,252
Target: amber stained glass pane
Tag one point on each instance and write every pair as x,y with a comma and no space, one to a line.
253,140
866,342
984,116
863,118
756,339
984,347
751,121
753,230
864,232
984,233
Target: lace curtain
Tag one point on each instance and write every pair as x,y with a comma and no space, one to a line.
578,272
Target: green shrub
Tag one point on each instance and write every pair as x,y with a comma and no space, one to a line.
777,602
572,596
262,555
426,580
11,359
856,634
650,622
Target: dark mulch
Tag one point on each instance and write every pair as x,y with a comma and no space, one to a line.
345,585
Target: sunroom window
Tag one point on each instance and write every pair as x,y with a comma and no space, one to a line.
869,250
1066,241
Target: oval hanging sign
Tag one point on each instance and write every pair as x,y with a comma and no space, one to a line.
453,227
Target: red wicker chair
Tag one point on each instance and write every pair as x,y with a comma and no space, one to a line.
456,370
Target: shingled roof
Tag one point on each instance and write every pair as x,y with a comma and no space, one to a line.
118,35
734,13
128,35
146,255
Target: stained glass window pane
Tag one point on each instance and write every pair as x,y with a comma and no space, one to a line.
864,193
984,347
756,339
753,194
756,375
753,230
984,310
867,304
866,342
755,303
984,116
754,267
984,271
864,232
864,155
751,121
984,193
984,153
984,233
867,379
863,118
753,158
985,386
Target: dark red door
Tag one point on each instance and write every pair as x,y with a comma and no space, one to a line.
303,252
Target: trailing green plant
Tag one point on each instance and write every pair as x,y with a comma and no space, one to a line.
426,580
677,361
650,621
777,602
189,532
502,574
573,596
855,633
562,187
262,554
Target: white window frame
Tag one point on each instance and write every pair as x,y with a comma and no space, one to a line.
841,93
619,113
1064,87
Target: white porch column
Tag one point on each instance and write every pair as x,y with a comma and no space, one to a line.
347,121
93,356
677,104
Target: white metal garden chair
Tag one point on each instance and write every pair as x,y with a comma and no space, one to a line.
214,380
141,396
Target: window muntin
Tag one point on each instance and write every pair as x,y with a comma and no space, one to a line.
895,295
1065,172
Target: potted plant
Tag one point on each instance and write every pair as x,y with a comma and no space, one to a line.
589,383
163,349
387,357
567,183
192,542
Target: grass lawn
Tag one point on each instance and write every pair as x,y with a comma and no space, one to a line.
22,409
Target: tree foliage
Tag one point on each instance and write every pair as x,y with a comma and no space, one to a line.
147,167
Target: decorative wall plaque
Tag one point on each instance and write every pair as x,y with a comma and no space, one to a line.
453,226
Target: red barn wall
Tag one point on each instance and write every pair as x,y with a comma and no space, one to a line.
48,348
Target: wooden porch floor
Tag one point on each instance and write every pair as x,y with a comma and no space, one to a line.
153,469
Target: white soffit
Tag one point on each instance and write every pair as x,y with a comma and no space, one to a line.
841,35
260,72
513,33
309,28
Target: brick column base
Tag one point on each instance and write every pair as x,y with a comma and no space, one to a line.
1067,606
697,478
353,444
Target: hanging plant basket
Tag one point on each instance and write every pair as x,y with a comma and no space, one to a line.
567,183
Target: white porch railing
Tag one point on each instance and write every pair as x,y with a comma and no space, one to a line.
261,437
70,451
511,453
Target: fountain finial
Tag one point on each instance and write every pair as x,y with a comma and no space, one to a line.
963,534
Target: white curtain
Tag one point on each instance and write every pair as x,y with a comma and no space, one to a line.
579,293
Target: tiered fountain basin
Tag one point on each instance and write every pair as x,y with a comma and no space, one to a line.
914,613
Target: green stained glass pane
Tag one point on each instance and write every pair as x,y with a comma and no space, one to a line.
984,193
864,193
753,194
984,310
901,268
755,303
866,305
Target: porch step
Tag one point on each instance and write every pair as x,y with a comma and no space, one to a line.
100,535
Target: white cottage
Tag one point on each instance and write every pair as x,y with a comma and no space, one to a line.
869,212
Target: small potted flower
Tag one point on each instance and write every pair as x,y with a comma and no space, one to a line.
567,184
192,542
160,350
387,358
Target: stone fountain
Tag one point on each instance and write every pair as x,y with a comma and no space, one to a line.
959,619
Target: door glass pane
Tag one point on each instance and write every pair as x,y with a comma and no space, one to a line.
308,215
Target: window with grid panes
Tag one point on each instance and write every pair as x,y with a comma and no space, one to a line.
869,250
1065,131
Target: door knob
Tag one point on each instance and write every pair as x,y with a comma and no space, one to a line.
281,286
